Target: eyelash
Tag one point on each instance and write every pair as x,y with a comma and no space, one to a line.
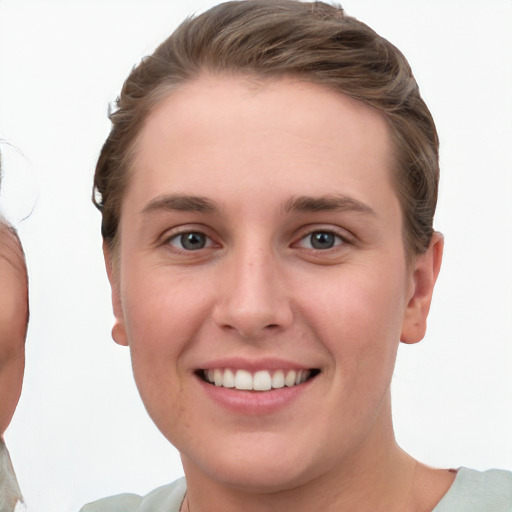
176,238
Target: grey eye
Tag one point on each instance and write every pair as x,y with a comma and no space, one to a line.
319,240
322,240
191,241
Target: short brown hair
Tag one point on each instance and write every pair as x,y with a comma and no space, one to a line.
314,41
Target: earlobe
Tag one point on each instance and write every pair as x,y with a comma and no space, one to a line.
424,276
119,328
119,333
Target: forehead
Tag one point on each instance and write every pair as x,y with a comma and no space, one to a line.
283,132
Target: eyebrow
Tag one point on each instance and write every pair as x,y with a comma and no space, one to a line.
329,203
301,204
180,202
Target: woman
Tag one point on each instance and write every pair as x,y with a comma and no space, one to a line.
13,330
268,191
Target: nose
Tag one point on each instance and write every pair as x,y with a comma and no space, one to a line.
252,298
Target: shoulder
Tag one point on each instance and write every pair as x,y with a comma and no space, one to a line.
479,491
167,498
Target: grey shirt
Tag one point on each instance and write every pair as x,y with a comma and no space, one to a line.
10,494
475,491
471,491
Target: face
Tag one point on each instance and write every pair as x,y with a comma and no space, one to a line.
261,247
13,321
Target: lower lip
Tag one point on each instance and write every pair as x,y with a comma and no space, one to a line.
254,403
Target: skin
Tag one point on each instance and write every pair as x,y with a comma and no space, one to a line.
13,321
259,290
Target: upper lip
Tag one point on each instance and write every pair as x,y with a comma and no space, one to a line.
254,364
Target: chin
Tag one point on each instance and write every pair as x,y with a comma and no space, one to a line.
257,465
260,479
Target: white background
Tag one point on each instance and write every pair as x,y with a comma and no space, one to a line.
80,431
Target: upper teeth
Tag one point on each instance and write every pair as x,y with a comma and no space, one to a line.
262,380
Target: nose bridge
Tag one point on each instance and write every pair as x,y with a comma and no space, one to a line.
253,298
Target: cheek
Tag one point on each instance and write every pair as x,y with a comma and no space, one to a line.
163,315
160,309
161,322
358,317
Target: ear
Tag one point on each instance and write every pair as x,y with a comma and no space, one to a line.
119,328
425,271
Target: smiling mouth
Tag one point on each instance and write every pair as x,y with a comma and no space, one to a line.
262,380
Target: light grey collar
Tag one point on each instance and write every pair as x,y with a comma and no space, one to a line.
10,494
